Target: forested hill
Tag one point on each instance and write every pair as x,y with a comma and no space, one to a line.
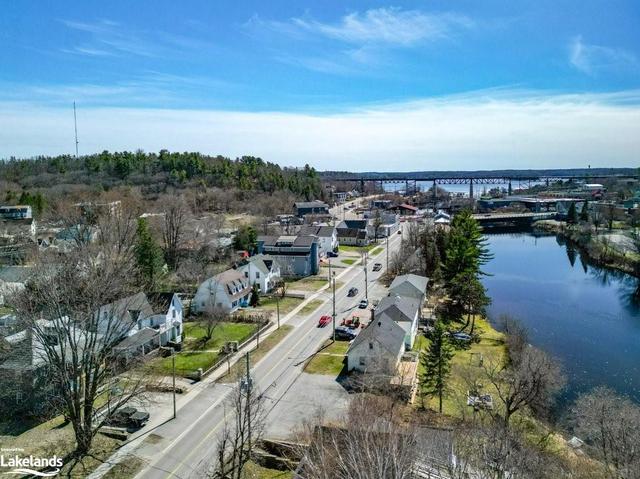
109,169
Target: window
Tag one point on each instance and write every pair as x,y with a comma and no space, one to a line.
363,361
370,345
246,274
257,274
18,396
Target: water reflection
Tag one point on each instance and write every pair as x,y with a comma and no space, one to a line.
587,316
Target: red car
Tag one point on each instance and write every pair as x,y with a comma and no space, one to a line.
324,320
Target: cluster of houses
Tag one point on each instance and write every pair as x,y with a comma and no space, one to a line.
392,331
134,326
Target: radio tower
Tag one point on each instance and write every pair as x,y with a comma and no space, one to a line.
75,126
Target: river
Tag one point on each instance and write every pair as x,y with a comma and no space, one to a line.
583,315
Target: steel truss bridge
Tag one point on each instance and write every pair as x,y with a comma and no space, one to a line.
469,180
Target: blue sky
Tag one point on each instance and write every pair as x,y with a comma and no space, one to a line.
342,85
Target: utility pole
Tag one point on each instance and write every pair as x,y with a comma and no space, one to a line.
334,307
278,309
366,281
329,270
75,126
173,367
249,385
387,252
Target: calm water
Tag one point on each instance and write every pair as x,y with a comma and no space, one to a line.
583,315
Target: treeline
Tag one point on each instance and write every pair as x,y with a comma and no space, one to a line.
107,169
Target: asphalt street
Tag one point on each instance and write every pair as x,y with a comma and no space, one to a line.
185,447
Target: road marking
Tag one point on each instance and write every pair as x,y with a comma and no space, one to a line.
217,402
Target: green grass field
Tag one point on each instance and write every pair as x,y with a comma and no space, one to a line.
349,260
376,251
465,369
356,249
265,346
329,360
310,307
199,354
286,304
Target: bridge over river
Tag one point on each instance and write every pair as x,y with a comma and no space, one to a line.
495,220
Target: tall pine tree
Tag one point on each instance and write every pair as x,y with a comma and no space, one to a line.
436,364
148,255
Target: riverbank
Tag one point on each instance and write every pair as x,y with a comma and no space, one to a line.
610,249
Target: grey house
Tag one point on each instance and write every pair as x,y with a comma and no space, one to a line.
410,285
298,256
303,208
403,310
378,347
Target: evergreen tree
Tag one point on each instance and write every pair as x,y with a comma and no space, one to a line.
246,239
572,215
148,255
466,247
255,297
584,214
436,364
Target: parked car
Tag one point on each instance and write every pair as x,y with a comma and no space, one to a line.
343,333
323,321
377,266
332,254
128,417
461,336
363,304
352,292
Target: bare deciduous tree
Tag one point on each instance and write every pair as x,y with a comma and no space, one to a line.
531,382
175,215
610,423
371,440
75,312
243,429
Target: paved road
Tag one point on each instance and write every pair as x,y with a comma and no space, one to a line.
184,447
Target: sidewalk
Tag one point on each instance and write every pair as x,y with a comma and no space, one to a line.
136,439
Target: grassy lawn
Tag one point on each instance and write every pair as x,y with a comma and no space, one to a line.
198,354
329,360
349,261
256,355
310,307
465,369
254,471
54,437
356,249
376,251
128,468
286,304
226,331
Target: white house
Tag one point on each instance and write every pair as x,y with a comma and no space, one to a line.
228,290
327,237
378,347
145,322
405,311
263,270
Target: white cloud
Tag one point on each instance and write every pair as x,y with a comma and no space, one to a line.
480,130
390,26
591,59
355,40
107,38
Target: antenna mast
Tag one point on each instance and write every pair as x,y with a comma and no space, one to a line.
75,126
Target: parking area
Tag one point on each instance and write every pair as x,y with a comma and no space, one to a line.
309,396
